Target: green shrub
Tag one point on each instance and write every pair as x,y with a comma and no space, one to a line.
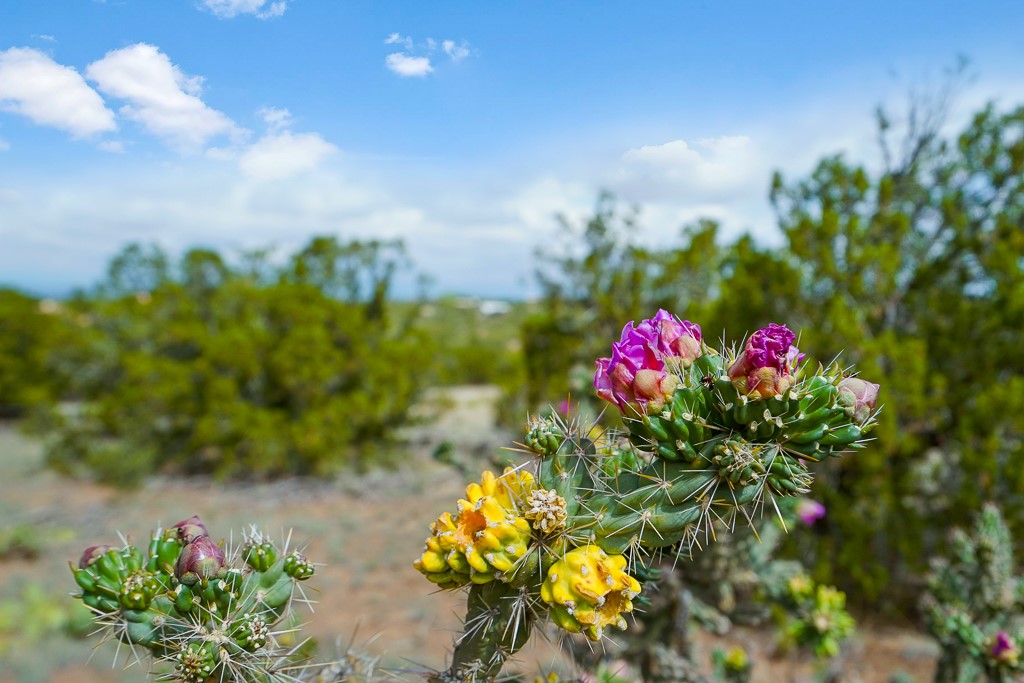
217,371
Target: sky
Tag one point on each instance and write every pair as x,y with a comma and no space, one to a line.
461,128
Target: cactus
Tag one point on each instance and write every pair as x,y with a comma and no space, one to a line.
974,605
711,435
206,613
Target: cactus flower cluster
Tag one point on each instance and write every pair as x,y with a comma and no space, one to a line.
710,434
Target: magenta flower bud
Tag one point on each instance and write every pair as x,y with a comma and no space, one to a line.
91,554
1003,649
857,397
766,366
202,559
638,376
191,529
809,511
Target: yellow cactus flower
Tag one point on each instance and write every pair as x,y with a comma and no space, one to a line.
509,490
486,536
589,591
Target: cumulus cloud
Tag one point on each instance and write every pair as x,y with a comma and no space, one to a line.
261,9
412,62
160,96
408,66
457,52
399,39
50,94
275,119
708,168
45,36
280,153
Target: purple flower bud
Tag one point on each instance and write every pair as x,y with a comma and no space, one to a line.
809,511
1003,649
91,554
639,370
201,559
191,529
766,366
857,397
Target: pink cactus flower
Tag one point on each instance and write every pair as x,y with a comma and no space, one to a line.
857,398
809,511
1003,649
638,376
766,366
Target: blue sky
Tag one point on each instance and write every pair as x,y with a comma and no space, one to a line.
462,128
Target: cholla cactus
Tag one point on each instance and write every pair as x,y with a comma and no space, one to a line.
208,614
975,606
710,436
814,616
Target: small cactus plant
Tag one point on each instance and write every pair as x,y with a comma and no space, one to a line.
207,614
974,605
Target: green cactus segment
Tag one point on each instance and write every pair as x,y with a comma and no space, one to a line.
545,437
298,567
809,420
197,662
498,622
211,629
138,590
259,554
251,632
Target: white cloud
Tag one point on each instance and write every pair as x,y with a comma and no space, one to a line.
261,9
706,169
283,154
406,65
4,145
35,86
399,39
160,97
276,119
456,52
45,36
280,153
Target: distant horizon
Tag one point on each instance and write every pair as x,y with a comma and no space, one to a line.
234,124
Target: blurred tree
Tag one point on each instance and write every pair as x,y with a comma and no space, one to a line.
30,330
239,374
917,274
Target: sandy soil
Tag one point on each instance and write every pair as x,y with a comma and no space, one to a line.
366,531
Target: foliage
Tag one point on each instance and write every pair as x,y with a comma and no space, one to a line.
245,372
914,270
477,340
975,605
30,332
